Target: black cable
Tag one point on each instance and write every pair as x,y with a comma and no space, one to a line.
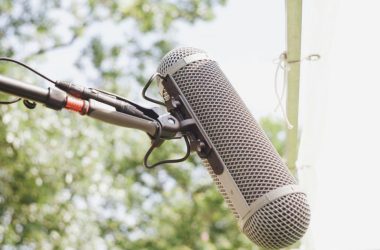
118,97
26,103
27,67
147,85
155,144
11,101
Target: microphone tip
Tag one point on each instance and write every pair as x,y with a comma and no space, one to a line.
280,223
173,56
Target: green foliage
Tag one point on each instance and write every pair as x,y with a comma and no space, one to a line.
72,182
275,130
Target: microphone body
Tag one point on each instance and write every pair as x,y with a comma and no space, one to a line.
270,208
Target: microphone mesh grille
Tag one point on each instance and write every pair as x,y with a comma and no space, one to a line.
248,154
246,151
174,56
278,224
221,188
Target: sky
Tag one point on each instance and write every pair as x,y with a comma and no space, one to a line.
245,38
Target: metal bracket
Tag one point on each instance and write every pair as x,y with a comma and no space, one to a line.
178,106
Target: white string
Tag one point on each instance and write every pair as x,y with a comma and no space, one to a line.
284,64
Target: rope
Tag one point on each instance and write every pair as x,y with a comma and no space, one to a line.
283,63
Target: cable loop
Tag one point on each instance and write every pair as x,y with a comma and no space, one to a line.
155,143
147,85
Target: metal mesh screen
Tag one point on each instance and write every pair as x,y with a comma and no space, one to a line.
247,153
221,188
280,223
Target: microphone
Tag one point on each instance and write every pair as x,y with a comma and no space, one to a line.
271,209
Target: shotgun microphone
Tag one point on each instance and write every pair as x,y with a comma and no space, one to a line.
271,209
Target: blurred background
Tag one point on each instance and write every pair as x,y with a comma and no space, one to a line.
68,182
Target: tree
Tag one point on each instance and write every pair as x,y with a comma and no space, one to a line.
275,130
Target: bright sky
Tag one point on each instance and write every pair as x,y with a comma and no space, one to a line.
244,39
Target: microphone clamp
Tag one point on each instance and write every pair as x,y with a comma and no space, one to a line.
189,125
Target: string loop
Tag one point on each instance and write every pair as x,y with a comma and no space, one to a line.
285,65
